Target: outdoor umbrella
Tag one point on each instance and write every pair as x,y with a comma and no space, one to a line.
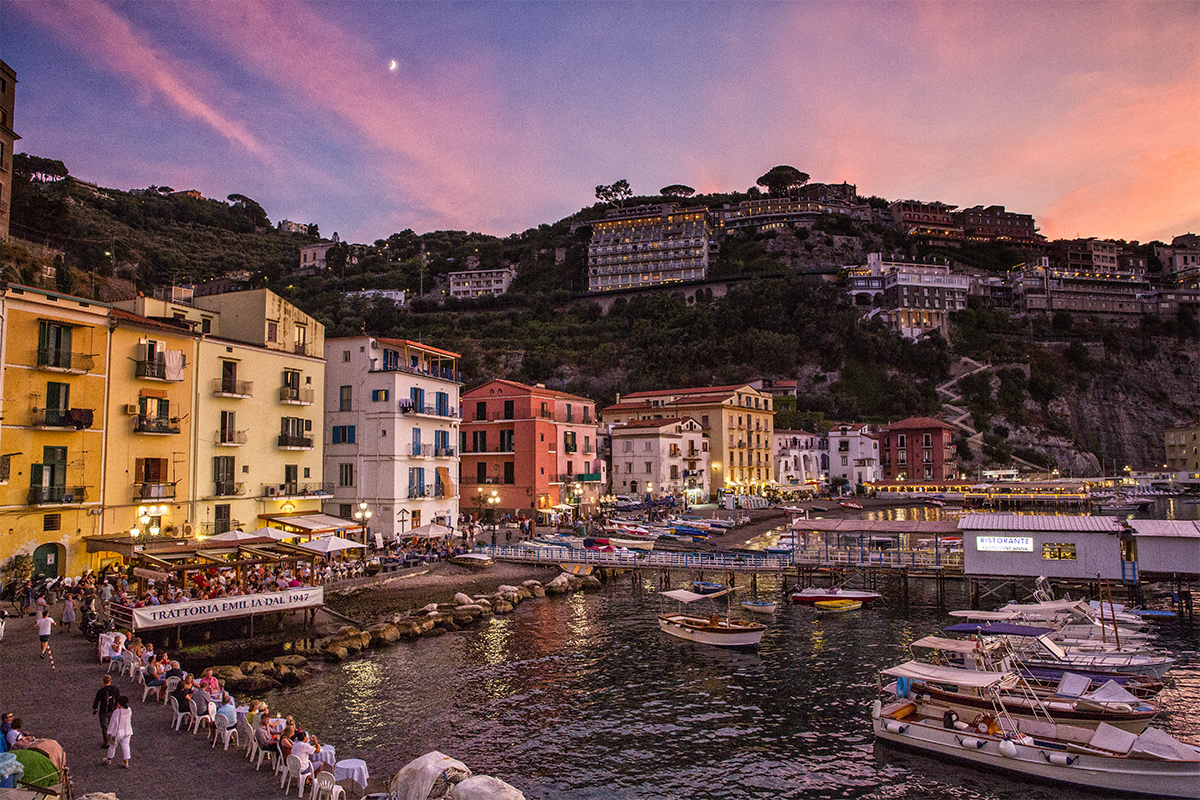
277,534
330,544
430,531
238,536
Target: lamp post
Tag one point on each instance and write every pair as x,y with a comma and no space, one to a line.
363,515
493,500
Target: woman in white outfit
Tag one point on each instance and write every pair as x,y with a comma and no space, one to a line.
120,729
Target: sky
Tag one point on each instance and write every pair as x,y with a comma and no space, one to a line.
371,117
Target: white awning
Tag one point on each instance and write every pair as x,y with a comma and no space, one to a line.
312,524
958,677
684,596
984,615
1053,607
953,645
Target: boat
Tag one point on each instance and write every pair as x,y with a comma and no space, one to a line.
814,594
779,549
834,606
759,606
707,587
473,560
851,504
582,570
935,501
818,508
1105,758
711,630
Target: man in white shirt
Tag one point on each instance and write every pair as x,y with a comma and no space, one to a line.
302,749
44,624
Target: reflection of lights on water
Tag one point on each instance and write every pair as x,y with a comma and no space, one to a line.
818,637
495,640
578,624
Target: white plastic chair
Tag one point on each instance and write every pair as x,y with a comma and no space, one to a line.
222,731
269,755
324,785
119,663
177,715
294,768
199,719
169,685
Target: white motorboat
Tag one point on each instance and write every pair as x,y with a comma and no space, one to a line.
473,560
1106,758
812,594
759,606
1035,647
713,629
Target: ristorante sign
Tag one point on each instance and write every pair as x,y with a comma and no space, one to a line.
227,607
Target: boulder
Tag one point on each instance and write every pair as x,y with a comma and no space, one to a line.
383,633
228,673
506,589
282,671
591,584
483,600
335,652
560,585
257,684
474,608
436,631
294,677
524,593
346,629
250,667
430,608
503,607
289,661
534,588
409,629
529,584
463,599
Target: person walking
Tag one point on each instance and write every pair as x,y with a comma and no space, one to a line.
44,624
120,731
68,615
104,705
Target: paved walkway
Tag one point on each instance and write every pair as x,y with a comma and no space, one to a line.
165,765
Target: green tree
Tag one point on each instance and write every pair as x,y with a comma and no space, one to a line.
615,193
677,190
782,180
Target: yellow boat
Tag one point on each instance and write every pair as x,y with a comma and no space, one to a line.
838,605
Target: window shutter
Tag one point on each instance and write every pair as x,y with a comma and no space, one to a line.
308,424
139,472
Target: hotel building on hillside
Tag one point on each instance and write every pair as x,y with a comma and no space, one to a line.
480,282
528,448
392,432
915,297
649,245
738,420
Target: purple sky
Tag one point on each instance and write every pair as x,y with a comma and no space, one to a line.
499,116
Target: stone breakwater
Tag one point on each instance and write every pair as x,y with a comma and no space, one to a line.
435,619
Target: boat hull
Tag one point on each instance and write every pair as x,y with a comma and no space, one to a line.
813,595
758,608
1106,773
837,606
702,630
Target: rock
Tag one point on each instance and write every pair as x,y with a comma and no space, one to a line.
228,673
99,796
383,633
560,585
463,599
335,652
345,630
282,671
250,667
425,626
409,629
436,632
483,600
474,608
503,607
534,588
294,677
529,584
505,589
257,684
591,584
289,661
430,608
524,593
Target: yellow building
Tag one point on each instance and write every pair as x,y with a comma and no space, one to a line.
739,421
1183,448
52,435
148,473
257,446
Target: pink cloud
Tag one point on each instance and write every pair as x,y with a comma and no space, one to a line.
94,30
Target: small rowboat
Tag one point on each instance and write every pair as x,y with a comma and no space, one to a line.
851,504
759,606
834,606
707,587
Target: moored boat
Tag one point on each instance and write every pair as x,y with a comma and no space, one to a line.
711,630
708,587
759,606
813,594
473,560
851,505
834,606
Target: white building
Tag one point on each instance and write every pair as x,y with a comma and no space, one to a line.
480,282
854,454
391,432
914,297
312,256
801,459
660,457
395,295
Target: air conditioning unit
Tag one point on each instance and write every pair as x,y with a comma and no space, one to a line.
131,409
272,491
188,529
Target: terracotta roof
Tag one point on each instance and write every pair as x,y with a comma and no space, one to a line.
702,399
626,407
916,422
121,315
649,423
524,389
695,390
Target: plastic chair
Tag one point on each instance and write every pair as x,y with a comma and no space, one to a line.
146,690
178,715
269,755
119,663
294,768
169,685
222,731
324,785
126,666
198,719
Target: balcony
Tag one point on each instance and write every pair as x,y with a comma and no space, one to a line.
153,491
50,358
445,452
580,477
288,441
296,489
570,448
419,492
154,370
441,373
160,426
227,388
229,438
408,407
45,495
294,396
76,418
229,489
304,349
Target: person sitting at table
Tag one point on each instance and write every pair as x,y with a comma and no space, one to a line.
227,709
285,742
275,722
207,682
252,714
264,737
304,746
15,732
183,692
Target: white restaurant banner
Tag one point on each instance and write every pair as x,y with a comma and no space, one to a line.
227,607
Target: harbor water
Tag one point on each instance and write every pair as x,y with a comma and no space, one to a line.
583,697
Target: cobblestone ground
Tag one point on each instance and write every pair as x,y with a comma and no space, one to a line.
165,765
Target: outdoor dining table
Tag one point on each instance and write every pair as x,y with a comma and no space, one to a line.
326,755
354,769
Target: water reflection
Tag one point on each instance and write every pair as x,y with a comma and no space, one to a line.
584,697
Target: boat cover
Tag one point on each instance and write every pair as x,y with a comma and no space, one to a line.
1111,692
684,596
971,678
1155,743
997,629
952,645
985,615
1072,685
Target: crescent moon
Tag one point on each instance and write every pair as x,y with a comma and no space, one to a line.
393,65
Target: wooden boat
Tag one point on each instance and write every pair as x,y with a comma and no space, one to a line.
473,560
818,508
759,606
708,587
813,594
834,606
712,630
1105,758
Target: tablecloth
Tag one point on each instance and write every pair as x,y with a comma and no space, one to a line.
326,755
354,769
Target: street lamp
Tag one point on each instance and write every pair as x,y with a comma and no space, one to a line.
493,500
363,515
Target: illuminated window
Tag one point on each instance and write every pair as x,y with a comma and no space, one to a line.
1058,551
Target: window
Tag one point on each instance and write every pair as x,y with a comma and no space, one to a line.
58,403
647,467
900,441
343,434
417,397
272,331
228,431
509,409
481,411
54,345
223,472
1058,551
845,461
221,518
52,522
569,441
379,395
150,472
628,448
674,472
704,420
345,474
479,441
928,471
928,440
345,355
441,404
345,398
509,472
628,467
506,442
